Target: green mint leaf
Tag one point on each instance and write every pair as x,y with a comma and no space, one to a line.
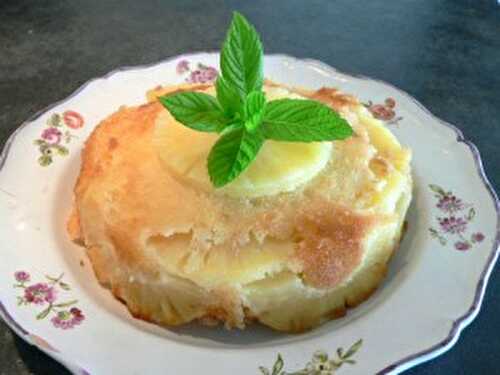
232,154
228,97
255,106
196,110
241,60
297,120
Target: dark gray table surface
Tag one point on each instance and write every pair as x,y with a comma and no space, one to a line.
444,53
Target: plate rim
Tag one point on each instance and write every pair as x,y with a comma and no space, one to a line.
458,325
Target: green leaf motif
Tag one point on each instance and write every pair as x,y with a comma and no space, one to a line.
53,280
54,120
64,286
320,356
44,313
196,110
241,57
434,233
67,304
61,150
44,160
471,214
255,106
297,120
353,349
232,154
436,189
278,366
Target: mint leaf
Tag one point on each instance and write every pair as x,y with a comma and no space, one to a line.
241,58
196,110
228,97
297,120
232,154
255,106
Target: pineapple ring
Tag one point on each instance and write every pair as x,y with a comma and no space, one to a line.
279,167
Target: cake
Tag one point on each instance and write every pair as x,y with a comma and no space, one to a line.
305,233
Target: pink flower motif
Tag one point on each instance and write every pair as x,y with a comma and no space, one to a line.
68,319
206,74
182,67
73,119
478,237
22,276
462,246
453,224
209,74
382,112
194,77
77,314
450,204
40,293
52,135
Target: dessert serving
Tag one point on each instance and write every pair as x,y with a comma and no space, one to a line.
244,200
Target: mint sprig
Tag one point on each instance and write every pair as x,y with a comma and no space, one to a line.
241,114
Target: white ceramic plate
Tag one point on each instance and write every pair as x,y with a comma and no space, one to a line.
51,298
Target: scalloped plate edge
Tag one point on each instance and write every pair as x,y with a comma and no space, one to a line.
396,367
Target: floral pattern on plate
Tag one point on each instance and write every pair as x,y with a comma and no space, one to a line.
454,223
320,364
202,73
54,138
385,112
65,315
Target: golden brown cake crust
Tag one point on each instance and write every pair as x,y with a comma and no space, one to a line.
330,245
124,198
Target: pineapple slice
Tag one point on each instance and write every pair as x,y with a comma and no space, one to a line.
279,167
